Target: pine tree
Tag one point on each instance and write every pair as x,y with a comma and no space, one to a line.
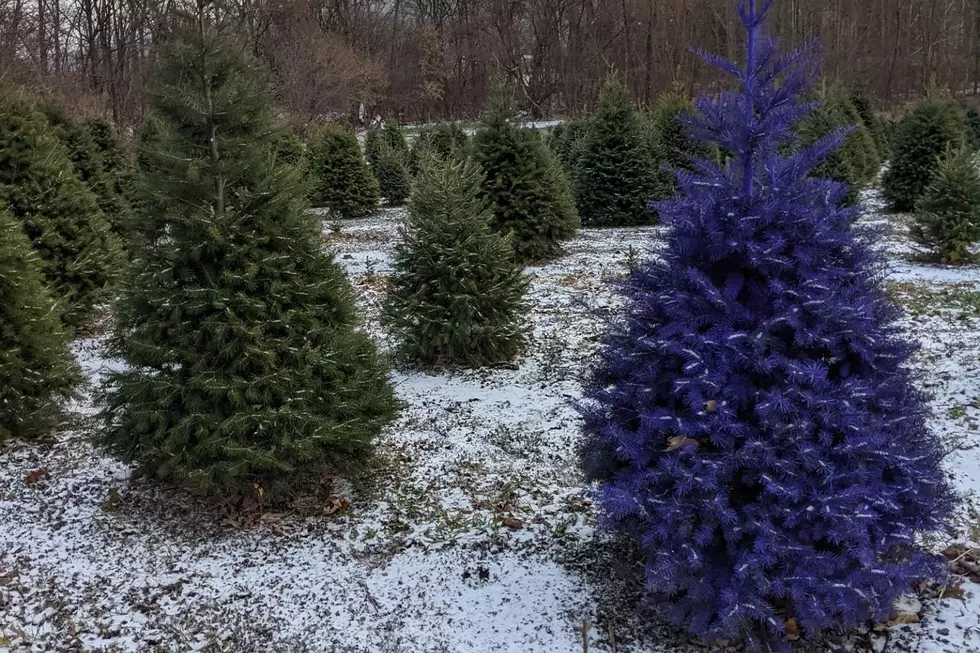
456,296
566,142
920,139
240,332
529,195
61,217
99,163
342,180
390,167
838,166
617,176
389,136
871,122
752,421
947,216
37,370
972,119
444,140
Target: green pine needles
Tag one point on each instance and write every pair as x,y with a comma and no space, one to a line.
342,180
524,183
246,364
920,139
947,216
390,167
37,370
457,295
79,255
389,136
617,175
444,140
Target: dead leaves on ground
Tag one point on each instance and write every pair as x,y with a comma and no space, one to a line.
37,476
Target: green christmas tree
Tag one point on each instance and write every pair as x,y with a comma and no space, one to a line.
921,138
99,161
839,166
389,136
566,142
617,175
246,364
342,181
60,215
871,121
972,119
947,216
456,296
390,167
444,140
37,370
528,193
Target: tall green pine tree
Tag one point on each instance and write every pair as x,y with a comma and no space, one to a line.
947,216
617,174
79,255
528,193
342,180
37,370
390,167
920,139
444,140
245,362
456,295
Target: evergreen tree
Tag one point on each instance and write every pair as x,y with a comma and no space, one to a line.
973,128
947,216
920,139
616,174
342,180
752,421
443,140
37,370
566,141
389,136
529,195
390,167
456,295
59,214
861,103
245,362
838,166
288,147
98,162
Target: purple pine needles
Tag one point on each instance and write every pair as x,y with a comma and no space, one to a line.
751,421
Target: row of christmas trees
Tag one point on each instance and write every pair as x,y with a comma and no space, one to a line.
750,421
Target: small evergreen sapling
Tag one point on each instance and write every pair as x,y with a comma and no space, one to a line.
529,195
456,296
752,422
342,181
947,216
444,140
616,174
389,136
972,120
246,364
60,215
37,369
920,140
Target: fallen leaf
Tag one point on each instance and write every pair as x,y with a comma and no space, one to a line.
792,630
512,523
36,476
676,443
954,592
905,618
711,406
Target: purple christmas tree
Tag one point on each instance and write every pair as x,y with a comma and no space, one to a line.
752,423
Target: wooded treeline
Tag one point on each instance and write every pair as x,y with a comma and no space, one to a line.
426,59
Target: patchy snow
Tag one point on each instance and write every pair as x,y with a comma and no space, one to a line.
471,533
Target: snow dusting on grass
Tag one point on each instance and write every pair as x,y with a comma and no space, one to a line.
472,530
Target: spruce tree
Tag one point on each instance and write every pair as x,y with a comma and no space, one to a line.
390,167
37,369
947,216
456,296
529,195
566,142
616,174
99,163
342,181
245,362
972,120
752,421
444,140
389,136
839,166
921,138
60,215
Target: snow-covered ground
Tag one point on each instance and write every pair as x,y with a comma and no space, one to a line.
472,531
